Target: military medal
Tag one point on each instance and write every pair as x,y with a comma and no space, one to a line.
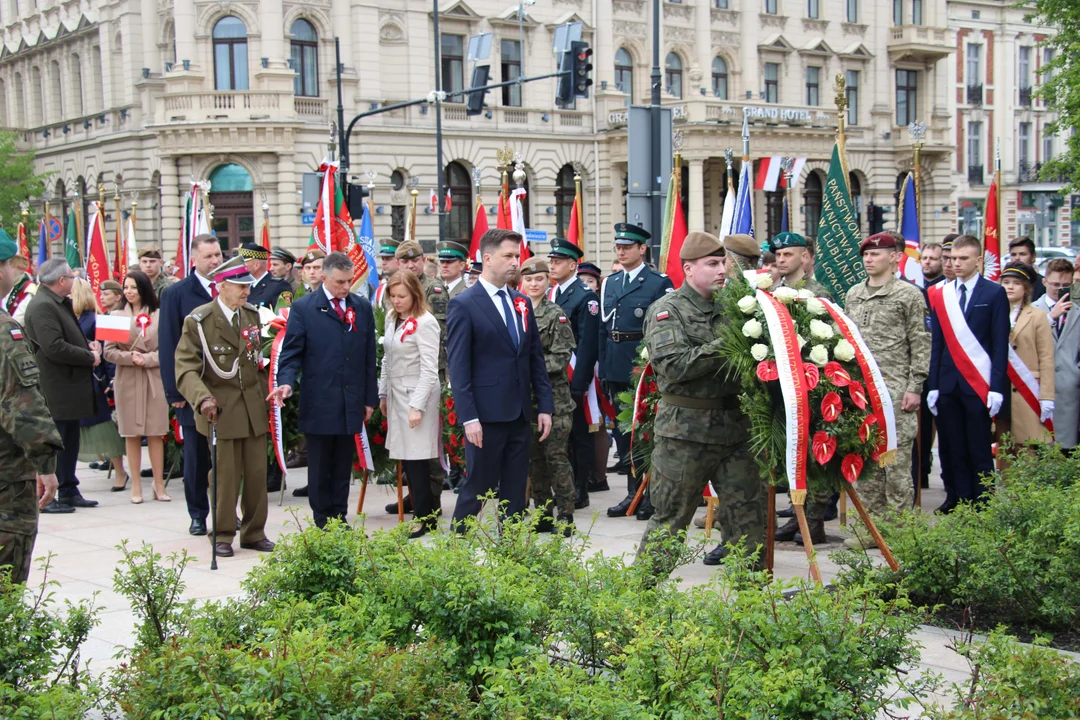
143,321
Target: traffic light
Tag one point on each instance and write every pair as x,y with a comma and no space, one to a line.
581,55
474,103
564,86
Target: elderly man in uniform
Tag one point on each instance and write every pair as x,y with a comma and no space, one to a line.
150,263
266,289
701,433
281,266
22,290
218,373
624,297
891,316
29,440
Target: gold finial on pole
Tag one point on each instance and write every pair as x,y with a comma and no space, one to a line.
786,166
917,131
505,156
841,120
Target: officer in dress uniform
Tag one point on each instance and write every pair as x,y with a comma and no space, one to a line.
218,373
266,289
281,266
453,261
388,265
625,295
582,307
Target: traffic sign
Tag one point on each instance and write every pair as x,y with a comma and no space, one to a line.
307,218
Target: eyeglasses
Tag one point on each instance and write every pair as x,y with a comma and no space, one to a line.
1057,286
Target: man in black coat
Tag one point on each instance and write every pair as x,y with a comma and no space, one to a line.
66,362
177,302
582,306
267,288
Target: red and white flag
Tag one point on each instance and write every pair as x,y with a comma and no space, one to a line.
433,202
769,175
449,201
112,328
97,257
517,221
480,226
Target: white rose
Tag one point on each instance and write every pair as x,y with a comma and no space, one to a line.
785,295
805,294
759,351
748,304
764,281
752,329
644,353
815,306
820,330
819,355
802,341
843,351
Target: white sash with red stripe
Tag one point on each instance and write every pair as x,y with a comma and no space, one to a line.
596,405
1026,385
967,352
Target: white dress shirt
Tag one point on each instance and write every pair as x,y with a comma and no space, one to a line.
632,274
229,312
205,284
970,285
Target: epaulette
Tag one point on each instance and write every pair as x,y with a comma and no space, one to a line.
662,274
249,306
198,316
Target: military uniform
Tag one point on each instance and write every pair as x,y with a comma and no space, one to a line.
161,282
450,250
892,322
29,442
215,359
19,298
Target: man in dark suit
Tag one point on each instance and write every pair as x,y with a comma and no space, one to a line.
177,302
964,417
330,340
496,364
267,288
582,306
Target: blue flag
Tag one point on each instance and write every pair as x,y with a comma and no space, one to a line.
43,244
367,244
743,222
784,216
909,215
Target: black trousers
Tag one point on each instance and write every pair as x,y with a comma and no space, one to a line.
329,473
582,449
502,464
418,473
66,458
622,441
964,427
922,451
196,473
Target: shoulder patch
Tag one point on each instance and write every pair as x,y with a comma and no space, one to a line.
663,274
437,289
16,333
594,307
662,315
664,338
670,289
562,319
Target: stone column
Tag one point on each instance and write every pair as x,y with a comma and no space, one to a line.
703,43
286,207
170,205
184,26
345,30
696,197
604,52
271,23
149,24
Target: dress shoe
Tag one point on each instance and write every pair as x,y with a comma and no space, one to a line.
817,533
598,485
545,523
787,531
76,501
296,460
95,465
263,545
223,550
581,499
55,508
831,512
946,507
620,509
620,468
860,543
788,512
645,510
198,527
565,524
699,522
146,472
406,503
716,555
300,492
419,532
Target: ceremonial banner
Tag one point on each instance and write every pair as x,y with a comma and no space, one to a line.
837,263
785,221
366,238
908,225
575,233
517,220
992,237
742,221
43,243
729,213
480,226
119,268
71,240
97,257
24,243
333,228
674,234
129,244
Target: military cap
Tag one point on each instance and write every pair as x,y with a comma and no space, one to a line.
387,247
742,245
475,268
700,244
587,268
283,255
561,248
111,285
1020,271
311,256
408,250
8,248
880,241
251,251
450,250
534,266
150,251
233,270
627,234
787,240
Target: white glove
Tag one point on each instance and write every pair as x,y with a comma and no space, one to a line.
993,403
931,401
1047,410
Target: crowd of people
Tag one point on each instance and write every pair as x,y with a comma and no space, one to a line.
520,343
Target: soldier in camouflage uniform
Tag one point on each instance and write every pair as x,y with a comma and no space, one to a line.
28,437
549,463
892,318
700,432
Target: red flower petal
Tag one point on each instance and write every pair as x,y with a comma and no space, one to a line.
831,405
864,429
451,417
449,403
837,374
767,371
850,467
858,394
379,439
823,447
653,388
812,375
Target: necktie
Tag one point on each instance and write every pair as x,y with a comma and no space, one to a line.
339,310
626,280
236,322
213,290
508,315
558,293
963,298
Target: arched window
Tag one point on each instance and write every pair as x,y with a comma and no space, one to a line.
812,193
19,109
459,225
36,97
56,94
564,199
98,76
230,54
3,104
673,75
624,73
719,78
774,211
305,58
855,188
75,64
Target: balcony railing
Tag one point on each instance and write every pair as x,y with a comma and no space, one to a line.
974,94
975,175
1025,96
310,109
1033,172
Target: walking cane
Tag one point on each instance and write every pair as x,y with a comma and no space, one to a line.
213,496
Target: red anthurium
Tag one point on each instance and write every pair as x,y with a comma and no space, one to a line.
449,403
875,454
864,429
831,405
767,371
850,467
812,374
837,374
858,394
823,447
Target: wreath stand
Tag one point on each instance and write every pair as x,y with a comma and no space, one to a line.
638,495
363,492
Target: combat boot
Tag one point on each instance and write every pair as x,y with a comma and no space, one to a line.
817,533
716,555
787,531
624,505
645,508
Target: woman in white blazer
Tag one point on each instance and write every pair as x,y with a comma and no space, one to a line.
409,389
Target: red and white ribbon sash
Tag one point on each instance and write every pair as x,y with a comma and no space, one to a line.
646,373
280,323
792,380
596,404
379,291
876,389
363,450
1026,385
967,352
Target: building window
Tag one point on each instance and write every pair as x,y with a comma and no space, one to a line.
813,86
453,67
916,12
673,75
624,73
510,57
19,109
855,190
974,151
851,90
76,84
720,4
812,9
305,59
564,199
230,54
897,12
36,98
772,82
774,211
57,95
1047,72
907,90
974,64
1024,74
459,225
1048,144
812,194
3,104
1023,151
719,78
770,7
852,11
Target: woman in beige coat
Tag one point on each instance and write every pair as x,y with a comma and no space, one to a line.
409,389
1033,342
141,409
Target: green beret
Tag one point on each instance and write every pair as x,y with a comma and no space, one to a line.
8,247
787,240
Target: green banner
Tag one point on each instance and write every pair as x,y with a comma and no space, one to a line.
837,263
71,241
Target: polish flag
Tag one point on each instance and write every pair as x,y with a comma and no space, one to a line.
433,202
112,328
796,171
769,175
449,201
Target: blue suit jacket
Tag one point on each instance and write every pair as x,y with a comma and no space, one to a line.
177,302
491,381
337,364
987,315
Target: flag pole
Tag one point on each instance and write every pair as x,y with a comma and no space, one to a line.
676,190
917,130
80,231
841,126
101,220
127,243
997,184
412,216
121,251
48,243
787,164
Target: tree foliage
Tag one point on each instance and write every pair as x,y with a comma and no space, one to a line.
1061,85
18,181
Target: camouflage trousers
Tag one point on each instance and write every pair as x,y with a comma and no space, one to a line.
680,470
888,490
550,473
18,526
